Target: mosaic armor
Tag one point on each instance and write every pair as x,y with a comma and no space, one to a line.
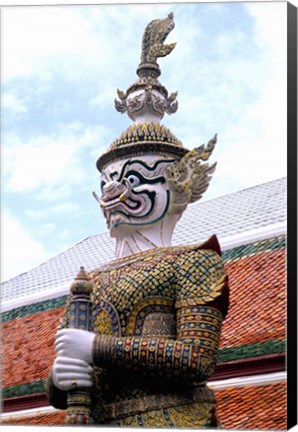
158,317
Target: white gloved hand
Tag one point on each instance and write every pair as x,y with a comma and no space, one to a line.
69,373
74,343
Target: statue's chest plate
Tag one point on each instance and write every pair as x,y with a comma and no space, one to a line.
136,298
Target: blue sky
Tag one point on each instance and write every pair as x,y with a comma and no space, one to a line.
61,66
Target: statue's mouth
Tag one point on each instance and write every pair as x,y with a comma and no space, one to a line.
119,195
120,201
123,204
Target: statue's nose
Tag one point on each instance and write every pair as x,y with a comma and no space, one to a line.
112,189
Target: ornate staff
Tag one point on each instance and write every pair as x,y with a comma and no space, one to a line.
79,399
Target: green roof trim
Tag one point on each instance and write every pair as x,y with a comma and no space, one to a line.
273,244
24,389
35,308
225,355
252,350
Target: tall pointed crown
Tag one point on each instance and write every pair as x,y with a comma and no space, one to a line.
146,101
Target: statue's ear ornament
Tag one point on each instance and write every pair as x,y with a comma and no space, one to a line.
189,178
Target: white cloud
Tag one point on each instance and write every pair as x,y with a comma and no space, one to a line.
252,149
269,112
271,108
51,164
42,161
12,103
62,209
69,41
45,229
241,96
20,252
35,38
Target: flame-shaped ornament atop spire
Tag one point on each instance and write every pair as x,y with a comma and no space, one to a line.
147,100
153,46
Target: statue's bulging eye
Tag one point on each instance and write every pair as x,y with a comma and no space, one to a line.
133,179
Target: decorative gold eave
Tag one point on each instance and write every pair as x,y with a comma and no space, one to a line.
141,139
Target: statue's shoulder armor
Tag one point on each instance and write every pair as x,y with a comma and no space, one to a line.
200,274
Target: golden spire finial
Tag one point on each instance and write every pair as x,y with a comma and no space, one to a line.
82,274
153,45
81,283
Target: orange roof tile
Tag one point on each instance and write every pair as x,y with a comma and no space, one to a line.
257,299
260,407
48,419
28,347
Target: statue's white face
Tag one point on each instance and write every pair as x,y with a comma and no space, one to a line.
135,192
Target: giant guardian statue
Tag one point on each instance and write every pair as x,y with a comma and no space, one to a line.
140,335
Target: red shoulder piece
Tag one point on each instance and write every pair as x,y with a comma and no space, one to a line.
221,303
212,243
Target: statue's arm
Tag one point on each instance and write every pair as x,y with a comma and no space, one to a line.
192,355
191,358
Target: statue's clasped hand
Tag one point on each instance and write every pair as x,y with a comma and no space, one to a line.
72,366
74,343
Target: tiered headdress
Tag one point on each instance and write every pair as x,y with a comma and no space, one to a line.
146,101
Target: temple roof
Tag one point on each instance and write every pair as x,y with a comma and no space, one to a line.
229,217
